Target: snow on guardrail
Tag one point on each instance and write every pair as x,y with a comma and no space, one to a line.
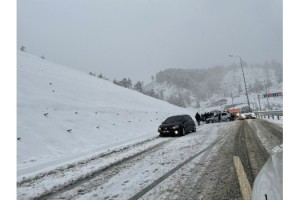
269,113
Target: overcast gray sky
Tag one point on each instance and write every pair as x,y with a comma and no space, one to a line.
138,38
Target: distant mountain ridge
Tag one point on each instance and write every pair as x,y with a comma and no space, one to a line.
192,87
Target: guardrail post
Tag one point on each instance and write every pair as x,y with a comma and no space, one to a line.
269,114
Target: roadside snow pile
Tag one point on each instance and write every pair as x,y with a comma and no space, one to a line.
63,113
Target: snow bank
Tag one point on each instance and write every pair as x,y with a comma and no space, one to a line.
63,113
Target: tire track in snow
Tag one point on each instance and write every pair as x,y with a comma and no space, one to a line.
165,176
37,183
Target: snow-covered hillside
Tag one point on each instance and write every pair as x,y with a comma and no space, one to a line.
63,114
228,89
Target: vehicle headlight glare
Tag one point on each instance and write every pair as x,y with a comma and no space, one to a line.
175,127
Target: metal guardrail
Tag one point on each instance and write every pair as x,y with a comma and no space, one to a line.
270,113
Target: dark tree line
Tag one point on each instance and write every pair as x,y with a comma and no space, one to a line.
125,82
99,76
138,86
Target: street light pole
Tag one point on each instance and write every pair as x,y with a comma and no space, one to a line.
244,79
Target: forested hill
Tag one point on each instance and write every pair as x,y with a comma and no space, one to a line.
189,87
198,81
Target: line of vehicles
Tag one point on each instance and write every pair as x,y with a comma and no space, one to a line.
227,116
271,173
180,125
269,176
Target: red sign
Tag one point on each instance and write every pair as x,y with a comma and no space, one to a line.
276,94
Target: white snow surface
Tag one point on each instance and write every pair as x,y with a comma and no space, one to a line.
65,115
102,118
278,122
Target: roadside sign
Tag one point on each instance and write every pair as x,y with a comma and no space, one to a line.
276,94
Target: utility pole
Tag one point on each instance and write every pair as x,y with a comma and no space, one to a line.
245,82
244,79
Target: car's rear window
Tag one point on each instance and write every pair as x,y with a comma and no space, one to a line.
174,119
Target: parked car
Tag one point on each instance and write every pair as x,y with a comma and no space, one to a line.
250,115
225,116
212,119
177,125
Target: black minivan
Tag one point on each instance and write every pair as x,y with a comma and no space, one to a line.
177,125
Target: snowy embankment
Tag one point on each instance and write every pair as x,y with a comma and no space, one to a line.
276,121
64,114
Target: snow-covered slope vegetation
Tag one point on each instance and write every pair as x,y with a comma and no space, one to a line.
62,112
220,86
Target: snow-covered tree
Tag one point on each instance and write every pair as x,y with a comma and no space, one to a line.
138,86
161,95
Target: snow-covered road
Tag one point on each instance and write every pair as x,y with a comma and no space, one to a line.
189,167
